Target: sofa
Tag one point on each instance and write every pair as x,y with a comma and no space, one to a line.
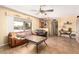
41,33
17,38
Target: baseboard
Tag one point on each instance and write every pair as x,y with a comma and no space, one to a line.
3,45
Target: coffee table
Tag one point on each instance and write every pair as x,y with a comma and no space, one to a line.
36,40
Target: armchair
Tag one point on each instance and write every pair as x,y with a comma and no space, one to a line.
66,32
13,40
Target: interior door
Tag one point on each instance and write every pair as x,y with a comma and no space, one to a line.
55,27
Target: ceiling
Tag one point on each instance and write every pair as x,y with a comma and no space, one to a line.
59,10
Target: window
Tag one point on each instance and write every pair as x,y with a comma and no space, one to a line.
27,25
18,25
22,25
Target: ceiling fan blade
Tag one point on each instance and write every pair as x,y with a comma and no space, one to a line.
51,10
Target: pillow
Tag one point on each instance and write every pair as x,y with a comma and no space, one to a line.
20,36
21,33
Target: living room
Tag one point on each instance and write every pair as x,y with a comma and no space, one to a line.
31,20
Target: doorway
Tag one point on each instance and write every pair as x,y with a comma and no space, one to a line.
55,27
77,29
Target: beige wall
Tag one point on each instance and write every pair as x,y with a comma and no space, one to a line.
62,20
35,22
3,22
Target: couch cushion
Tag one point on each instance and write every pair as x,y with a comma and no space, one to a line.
20,35
28,33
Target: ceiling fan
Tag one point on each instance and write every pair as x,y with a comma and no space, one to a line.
43,11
